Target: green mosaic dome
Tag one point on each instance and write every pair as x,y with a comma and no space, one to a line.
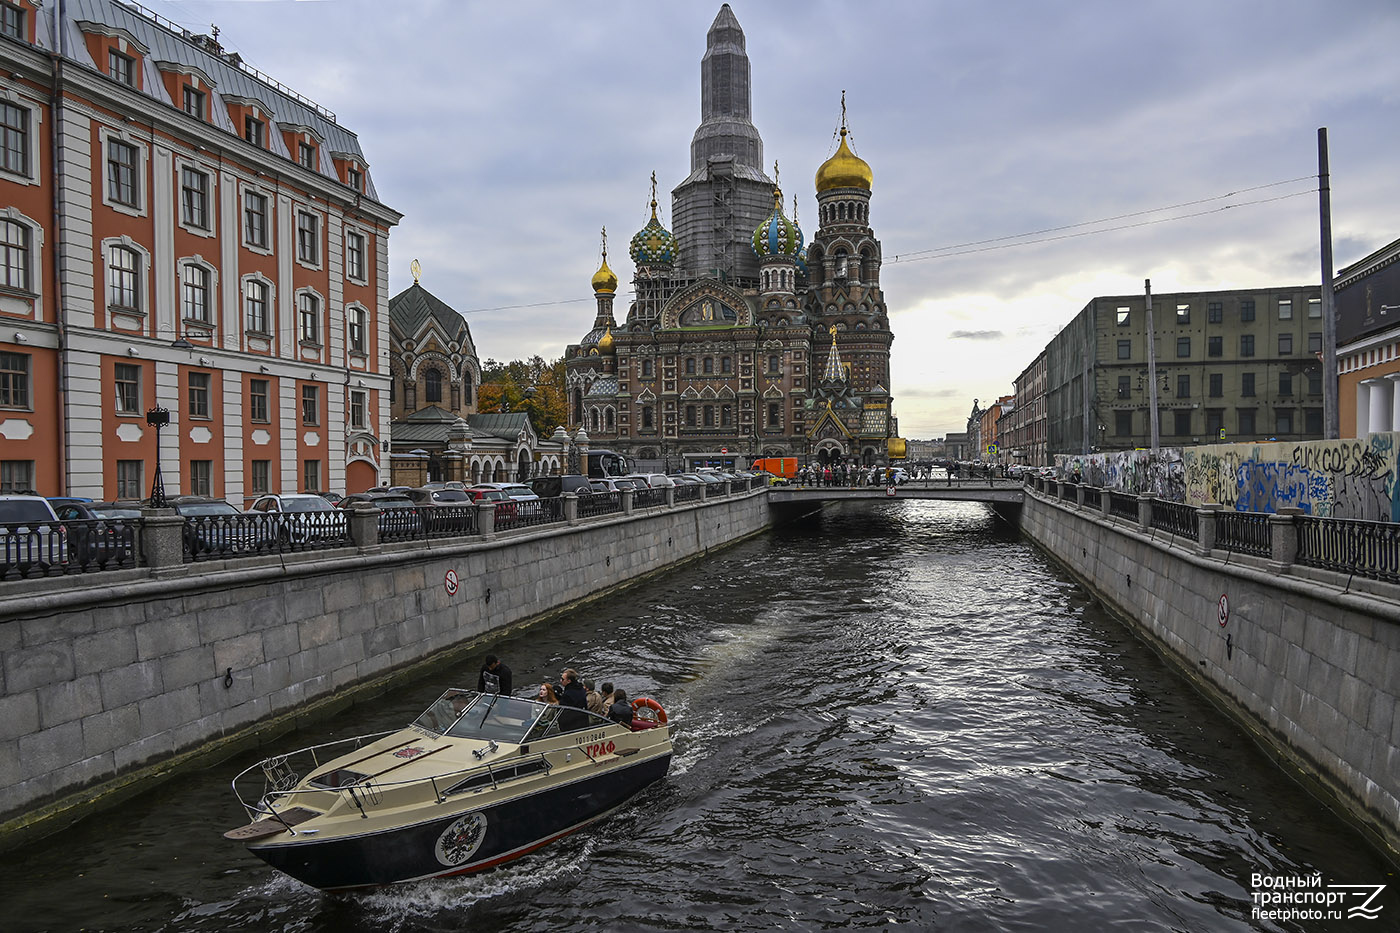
654,244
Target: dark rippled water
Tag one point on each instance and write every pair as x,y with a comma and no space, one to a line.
893,716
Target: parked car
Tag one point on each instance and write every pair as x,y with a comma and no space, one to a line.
214,526
651,480
438,495
93,540
30,534
305,516
708,479
505,504
523,496
398,514
552,487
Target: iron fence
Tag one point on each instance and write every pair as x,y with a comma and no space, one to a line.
1368,549
687,493
96,545
215,537
30,549
1244,532
1122,505
648,498
1178,518
450,521
403,523
600,503
528,512
1093,497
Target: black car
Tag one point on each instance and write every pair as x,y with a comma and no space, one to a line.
99,532
399,516
214,528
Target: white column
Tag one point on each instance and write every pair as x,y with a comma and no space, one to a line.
1393,379
1380,405
1363,408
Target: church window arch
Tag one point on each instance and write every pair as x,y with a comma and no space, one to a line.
690,366
841,211
578,406
709,365
608,418
593,419
773,363
646,368
841,263
646,417
726,365
432,386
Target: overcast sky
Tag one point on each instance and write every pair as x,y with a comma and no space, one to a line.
509,132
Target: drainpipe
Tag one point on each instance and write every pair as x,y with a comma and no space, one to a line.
59,236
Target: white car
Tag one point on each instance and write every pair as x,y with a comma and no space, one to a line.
308,517
652,480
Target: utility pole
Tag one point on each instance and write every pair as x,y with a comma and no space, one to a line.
1331,417
1151,368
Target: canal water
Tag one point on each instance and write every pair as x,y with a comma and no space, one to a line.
890,716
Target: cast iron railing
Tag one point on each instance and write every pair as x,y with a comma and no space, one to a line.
1368,549
1243,532
1178,518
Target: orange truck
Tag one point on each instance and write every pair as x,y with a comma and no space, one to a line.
781,467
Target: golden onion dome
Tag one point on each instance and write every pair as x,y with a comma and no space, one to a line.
605,280
845,169
605,342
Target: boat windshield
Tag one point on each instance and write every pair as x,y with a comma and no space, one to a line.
467,714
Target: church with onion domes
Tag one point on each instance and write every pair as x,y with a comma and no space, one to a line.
741,340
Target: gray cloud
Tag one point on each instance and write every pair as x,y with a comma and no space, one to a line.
976,335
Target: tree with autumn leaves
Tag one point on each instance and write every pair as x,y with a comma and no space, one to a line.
504,387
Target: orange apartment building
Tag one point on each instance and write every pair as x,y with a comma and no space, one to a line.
179,230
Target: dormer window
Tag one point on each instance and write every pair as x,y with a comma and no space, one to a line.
255,131
194,102
356,178
121,67
306,155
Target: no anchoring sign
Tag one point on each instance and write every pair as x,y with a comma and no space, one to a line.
450,584
1224,609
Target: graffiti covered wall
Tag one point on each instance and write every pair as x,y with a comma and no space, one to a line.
1136,471
1348,478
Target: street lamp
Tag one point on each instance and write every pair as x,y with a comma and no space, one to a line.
158,418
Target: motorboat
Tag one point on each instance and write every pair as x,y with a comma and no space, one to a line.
477,780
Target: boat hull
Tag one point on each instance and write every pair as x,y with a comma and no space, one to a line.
462,840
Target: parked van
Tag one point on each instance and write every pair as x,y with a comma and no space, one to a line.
781,467
552,487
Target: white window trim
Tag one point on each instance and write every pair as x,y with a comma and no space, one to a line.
350,309
143,276
36,254
352,230
363,397
211,193
271,287
320,340
143,154
244,189
36,118
199,262
297,213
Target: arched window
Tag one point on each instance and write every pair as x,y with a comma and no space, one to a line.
841,211
709,416
593,420
840,263
690,416
690,366
773,365
726,365
646,416
578,407
14,255
709,366
467,390
646,368
432,386
608,418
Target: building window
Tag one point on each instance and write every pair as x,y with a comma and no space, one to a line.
709,416
1215,346
1247,384
1217,385
646,416
255,307
194,102
255,219
201,477
194,198
1183,314
726,365
121,172
306,155
259,475
1285,385
255,131
355,256
690,366
1285,309
121,67
1181,423
127,381
646,369
1312,420
310,405
1183,386
356,178
130,483
432,386
1283,421
1123,423
709,366
308,238
199,395
1215,312
16,477
774,365
1314,307
691,416
1183,347
357,409
775,414
14,380
257,400
1246,309
1245,417
358,343
1285,344
1125,317
123,282
12,22
1315,343
1125,386
309,315
14,255
1215,422
1125,349
1314,381
1246,344
196,294
726,415
14,138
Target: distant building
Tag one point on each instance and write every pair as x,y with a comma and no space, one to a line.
743,340
1368,343
1023,431
1237,365
989,429
183,232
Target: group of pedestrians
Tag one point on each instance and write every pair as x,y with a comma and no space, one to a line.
841,474
571,691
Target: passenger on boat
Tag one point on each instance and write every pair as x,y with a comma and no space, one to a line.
547,695
607,696
595,699
576,698
621,709
494,669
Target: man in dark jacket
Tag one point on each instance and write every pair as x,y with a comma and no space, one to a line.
494,677
621,709
573,696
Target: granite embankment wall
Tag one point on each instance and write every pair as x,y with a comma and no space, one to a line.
1309,668
110,678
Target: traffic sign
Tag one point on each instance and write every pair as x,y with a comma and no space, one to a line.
1224,609
450,583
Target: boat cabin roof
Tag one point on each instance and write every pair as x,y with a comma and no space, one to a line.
466,714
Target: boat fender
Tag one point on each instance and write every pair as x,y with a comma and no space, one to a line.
649,703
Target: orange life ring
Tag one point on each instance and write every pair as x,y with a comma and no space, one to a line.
650,704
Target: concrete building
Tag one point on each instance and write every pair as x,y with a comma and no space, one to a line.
1236,365
742,341
180,231
1368,343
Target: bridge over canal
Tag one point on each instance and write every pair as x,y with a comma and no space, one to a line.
1004,492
